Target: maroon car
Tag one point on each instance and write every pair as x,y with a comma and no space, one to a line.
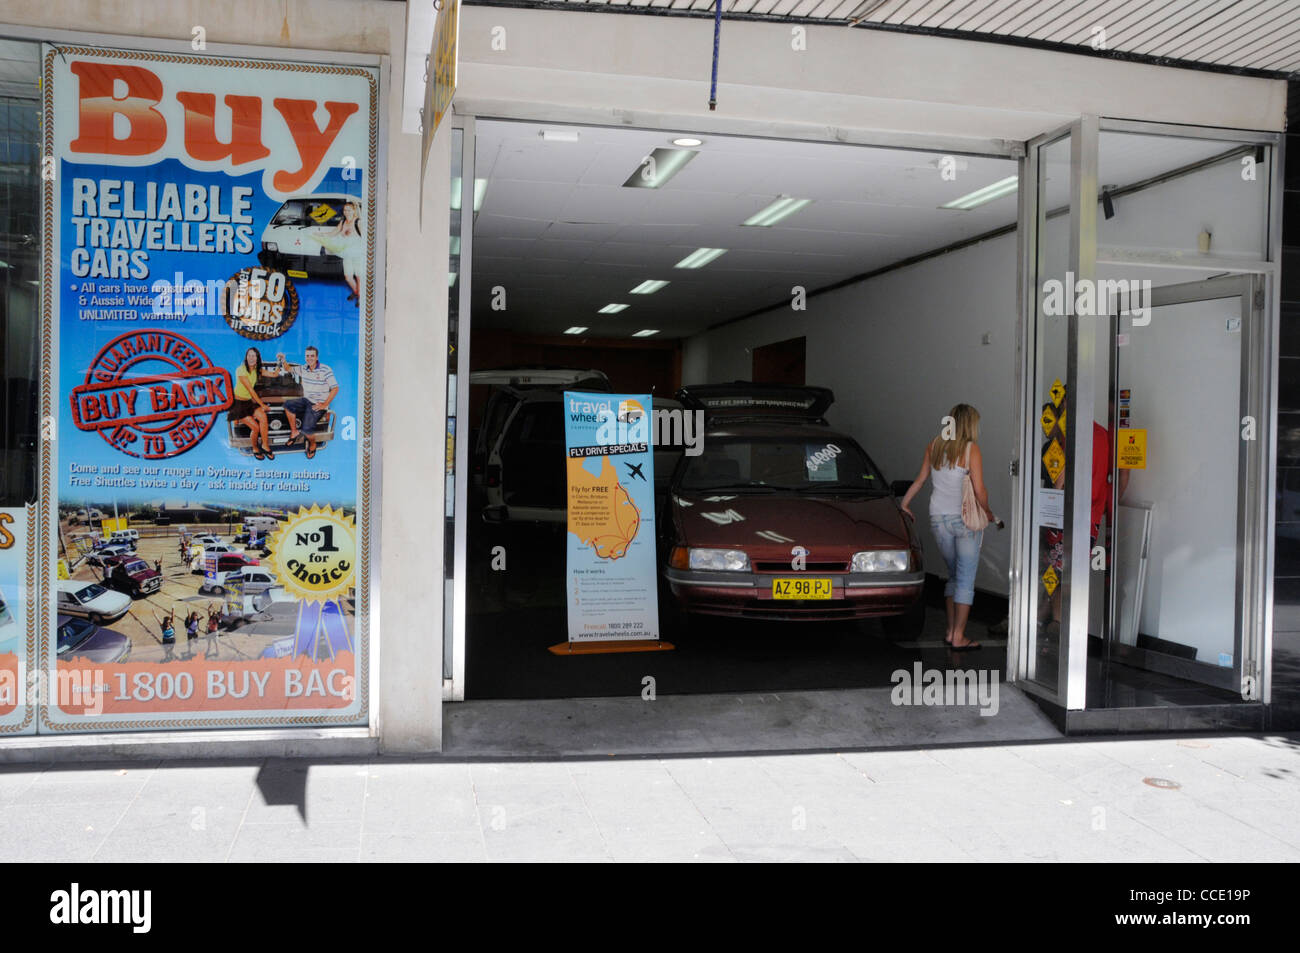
781,517
132,575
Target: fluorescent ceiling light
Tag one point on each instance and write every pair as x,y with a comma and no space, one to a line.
480,189
985,195
575,331
648,287
700,257
559,135
455,244
612,309
688,142
645,334
783,207
658,167
451,278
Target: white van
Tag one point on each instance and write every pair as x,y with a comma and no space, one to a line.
128,537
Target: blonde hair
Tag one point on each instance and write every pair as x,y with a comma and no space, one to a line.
965,427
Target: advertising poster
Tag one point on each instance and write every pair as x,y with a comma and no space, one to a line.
213,248
15,714
611,539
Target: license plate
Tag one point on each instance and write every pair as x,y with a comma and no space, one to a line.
801,589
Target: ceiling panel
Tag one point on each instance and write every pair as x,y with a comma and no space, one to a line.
1218,32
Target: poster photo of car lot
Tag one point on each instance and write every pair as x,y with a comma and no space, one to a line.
213,314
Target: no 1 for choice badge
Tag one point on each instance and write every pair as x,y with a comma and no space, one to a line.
315,554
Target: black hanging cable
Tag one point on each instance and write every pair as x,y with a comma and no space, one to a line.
717,32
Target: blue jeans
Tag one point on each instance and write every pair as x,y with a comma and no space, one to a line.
961,551
307,414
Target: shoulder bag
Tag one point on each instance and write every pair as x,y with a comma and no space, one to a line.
972,514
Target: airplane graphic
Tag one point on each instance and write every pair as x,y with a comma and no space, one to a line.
635,470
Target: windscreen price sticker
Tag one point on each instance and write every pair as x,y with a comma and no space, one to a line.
316,554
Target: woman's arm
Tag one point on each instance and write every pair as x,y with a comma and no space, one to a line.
977,479
915,488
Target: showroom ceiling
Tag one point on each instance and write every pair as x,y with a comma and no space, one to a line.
559,230
1237,34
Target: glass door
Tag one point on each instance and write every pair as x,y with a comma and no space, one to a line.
1184,415
1048,643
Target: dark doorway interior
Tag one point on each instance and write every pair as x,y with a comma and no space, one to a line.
780,363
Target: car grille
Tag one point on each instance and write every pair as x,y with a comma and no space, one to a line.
840,566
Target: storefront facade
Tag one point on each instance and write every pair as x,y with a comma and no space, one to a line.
166,150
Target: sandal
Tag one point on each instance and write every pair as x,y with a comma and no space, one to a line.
294,440
968,647
258,454
311,452
269,454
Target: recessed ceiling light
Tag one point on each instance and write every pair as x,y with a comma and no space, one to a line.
648,287
575,331
985,195
645,334
480,190
658,167
700,257
612,309
783,207
688,142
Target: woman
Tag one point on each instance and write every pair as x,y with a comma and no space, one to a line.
949,458
248,407
346,242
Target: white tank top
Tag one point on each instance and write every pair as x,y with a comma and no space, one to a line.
945,497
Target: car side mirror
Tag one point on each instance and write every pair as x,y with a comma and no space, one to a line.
900,487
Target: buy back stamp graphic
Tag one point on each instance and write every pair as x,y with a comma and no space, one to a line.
151,394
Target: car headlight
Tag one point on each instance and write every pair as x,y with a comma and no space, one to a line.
726,560
271,246
881,560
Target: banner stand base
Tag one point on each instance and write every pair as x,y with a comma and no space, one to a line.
602,648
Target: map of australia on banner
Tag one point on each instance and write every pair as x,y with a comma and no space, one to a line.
611,541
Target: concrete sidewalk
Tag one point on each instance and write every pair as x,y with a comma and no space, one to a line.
1066,800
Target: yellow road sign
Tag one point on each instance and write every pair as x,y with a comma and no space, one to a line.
1132,449
1057,391
1047,421
1054,459
1050,580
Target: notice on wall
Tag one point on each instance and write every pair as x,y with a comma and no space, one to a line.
15,715
611,540
213,304
1131,453
1051,508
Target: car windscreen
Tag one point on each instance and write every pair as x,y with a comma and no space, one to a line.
90,592
138,565
796,464
308,212
73,632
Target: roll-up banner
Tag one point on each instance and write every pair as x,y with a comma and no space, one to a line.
211,298
610,576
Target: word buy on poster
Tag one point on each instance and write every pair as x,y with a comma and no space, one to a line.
611,540
213,244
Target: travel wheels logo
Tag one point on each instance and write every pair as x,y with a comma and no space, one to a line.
151,394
